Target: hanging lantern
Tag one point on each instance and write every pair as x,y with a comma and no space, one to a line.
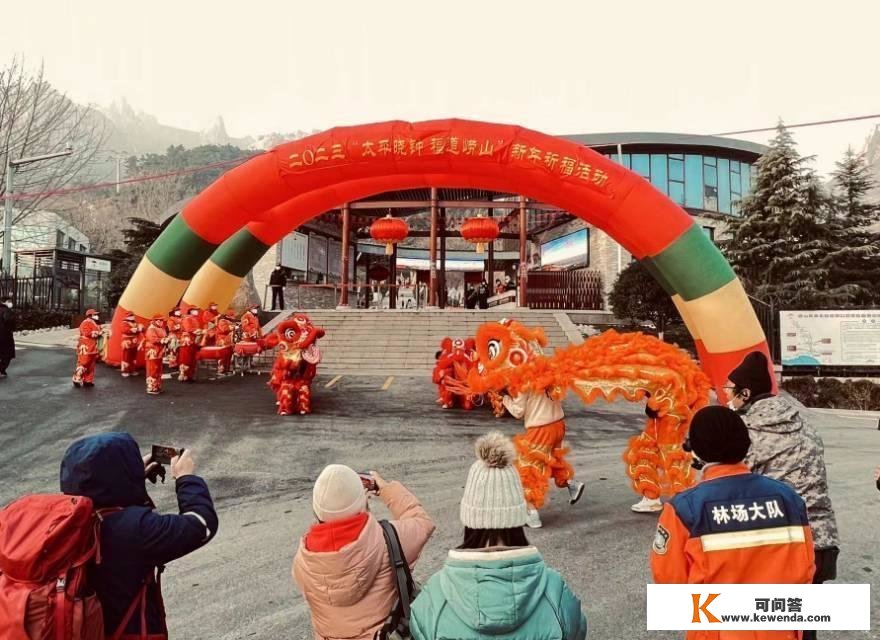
480,231
390,231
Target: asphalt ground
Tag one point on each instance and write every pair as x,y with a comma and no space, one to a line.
260,468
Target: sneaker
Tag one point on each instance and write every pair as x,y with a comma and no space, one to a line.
77,384
533,519
3,374
88,384
648,505
575,491
126,375
153,393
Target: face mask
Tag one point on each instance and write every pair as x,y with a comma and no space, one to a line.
9,304
95,318
177,313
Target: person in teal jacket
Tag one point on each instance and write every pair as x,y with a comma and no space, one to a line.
495,585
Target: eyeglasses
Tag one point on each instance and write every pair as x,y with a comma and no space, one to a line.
731,389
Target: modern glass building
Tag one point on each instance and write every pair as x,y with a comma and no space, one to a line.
702,173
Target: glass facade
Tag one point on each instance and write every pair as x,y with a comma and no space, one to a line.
694,181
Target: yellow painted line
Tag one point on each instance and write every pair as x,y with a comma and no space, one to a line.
332,382
387,383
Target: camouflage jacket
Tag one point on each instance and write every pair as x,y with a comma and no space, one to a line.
787,448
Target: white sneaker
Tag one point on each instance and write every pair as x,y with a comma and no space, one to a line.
575,491
648,505
533,519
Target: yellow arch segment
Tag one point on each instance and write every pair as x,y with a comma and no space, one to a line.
679,303
151,291
212,284
723,320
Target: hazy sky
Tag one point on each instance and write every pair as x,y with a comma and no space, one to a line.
560,67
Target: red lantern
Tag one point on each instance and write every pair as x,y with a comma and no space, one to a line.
480,231
389,230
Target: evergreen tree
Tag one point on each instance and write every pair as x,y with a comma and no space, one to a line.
138,238
780,240
854,266
638,297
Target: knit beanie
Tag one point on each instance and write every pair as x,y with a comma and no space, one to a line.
338,493
753,373
718,434
493,494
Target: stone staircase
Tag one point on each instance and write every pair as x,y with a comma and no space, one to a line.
403,342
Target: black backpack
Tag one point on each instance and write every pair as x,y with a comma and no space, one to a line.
397,624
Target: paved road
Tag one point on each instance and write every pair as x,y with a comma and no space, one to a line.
260,468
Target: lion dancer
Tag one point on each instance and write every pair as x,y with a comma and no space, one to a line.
87,350
155,339
132,341
541,454
296,364
174,327
454,361
225,337
190,337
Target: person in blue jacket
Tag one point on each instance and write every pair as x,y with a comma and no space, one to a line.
136,541
496,585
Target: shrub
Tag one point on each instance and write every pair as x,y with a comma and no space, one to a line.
831,393
30,319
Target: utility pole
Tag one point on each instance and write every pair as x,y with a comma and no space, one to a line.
11,166
118,172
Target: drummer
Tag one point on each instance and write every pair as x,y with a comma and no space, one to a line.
225,333
173,327
210,317
250,324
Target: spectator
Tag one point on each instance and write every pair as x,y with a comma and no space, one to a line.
509,284
277,282
495,584
786,447
136,542
342,565
7,339
735,527
499,287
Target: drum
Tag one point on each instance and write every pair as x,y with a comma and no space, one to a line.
247,349
212,352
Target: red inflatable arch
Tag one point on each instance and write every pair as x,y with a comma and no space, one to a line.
223,231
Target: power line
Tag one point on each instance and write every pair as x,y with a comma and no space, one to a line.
800,124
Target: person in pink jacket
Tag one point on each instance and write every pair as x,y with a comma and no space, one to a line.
342,566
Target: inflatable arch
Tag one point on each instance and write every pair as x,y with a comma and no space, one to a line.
205,251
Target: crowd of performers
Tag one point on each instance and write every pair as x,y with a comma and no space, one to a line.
506,365
182,338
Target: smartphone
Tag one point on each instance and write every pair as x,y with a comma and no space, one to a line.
368,482
163,455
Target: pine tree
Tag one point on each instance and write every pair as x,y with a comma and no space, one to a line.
854,265
778,243
637,296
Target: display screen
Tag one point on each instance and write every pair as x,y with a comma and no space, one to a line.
567,252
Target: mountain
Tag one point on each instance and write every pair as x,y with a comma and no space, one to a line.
136,133
872,155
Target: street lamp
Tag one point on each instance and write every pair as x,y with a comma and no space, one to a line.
11,166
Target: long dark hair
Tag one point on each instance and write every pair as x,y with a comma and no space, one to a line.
482,538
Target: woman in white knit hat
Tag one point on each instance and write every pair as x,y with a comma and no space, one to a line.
342,565
495,585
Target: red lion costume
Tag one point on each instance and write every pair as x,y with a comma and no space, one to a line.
455,360
296,364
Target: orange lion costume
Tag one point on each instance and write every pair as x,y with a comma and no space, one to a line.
455,360
296,364
633,366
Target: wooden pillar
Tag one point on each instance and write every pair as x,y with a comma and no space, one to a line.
346,233
490,262
432,253
441,288
523,257
392,279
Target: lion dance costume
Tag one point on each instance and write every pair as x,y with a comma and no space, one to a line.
296,364
455,360
632,366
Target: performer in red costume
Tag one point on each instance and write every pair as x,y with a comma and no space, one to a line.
132,341
190,337
87,350
174,326
155,339
454,361
296,364
225,338
250,324
209,325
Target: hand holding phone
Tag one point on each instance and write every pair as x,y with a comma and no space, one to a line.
163,455
369,482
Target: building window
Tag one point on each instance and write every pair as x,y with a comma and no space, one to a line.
693,181
659,172
641,165
709,231
71,244
710,184
82,248
59,239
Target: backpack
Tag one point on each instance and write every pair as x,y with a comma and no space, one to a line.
397,624
47,543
